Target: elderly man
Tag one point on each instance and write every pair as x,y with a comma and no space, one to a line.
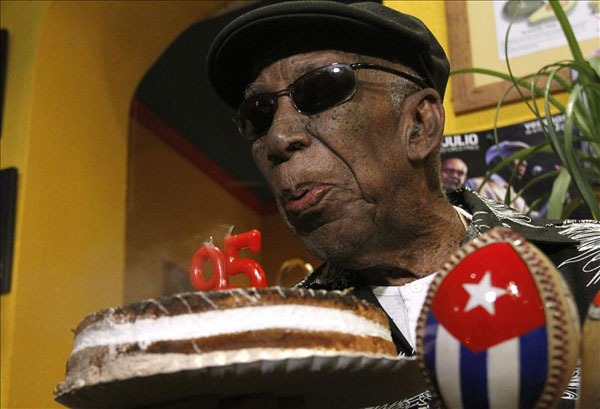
454,173
342,105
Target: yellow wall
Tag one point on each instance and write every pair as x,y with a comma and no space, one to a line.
24,25
72,70
66,128
173,207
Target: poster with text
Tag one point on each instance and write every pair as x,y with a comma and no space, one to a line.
535,27
467,158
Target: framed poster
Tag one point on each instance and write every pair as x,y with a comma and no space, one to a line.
468,158
476,33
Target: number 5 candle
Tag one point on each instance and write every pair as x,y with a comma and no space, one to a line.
228,264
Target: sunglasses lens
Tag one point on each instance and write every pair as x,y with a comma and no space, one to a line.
256,115
323,88
312,93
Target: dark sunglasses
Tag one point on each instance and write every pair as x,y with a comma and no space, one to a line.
314,92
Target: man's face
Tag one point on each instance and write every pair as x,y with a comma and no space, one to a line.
521,168
454,173
336,175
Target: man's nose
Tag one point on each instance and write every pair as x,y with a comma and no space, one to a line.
287,133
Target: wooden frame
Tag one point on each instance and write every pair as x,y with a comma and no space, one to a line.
466,96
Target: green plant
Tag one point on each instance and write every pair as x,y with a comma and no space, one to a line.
581,162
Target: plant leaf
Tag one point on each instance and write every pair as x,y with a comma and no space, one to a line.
558,194
571,206
519,81
595,64
567,30
538,203
536,180
549,130
519,155
582,184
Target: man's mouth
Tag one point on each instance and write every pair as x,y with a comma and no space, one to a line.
303,198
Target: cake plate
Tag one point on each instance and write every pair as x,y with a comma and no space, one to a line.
341,381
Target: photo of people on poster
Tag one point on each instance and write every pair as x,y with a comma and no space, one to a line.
468,158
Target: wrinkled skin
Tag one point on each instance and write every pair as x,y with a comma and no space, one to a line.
355,183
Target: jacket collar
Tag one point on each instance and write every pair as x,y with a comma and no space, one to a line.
486,214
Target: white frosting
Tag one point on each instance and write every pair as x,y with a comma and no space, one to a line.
210,323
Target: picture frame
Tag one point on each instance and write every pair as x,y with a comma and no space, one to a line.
473,42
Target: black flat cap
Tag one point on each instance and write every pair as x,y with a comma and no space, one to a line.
261,36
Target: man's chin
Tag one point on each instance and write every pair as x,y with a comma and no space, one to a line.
307,224
329,242
453,186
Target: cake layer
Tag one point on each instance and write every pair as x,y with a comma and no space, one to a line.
187,303
93,359
249,339
218,322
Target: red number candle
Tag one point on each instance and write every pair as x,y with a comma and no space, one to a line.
228,264
235,265
219,280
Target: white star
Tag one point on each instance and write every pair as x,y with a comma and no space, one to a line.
483,294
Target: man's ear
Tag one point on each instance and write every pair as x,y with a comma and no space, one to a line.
424,124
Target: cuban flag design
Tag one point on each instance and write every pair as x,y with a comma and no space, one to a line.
484,342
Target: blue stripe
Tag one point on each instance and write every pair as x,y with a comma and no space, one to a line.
473,378
429,336
533,354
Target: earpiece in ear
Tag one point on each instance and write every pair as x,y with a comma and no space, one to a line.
414,132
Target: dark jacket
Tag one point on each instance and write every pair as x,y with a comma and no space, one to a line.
572,245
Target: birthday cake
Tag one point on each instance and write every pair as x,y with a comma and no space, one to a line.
206,329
